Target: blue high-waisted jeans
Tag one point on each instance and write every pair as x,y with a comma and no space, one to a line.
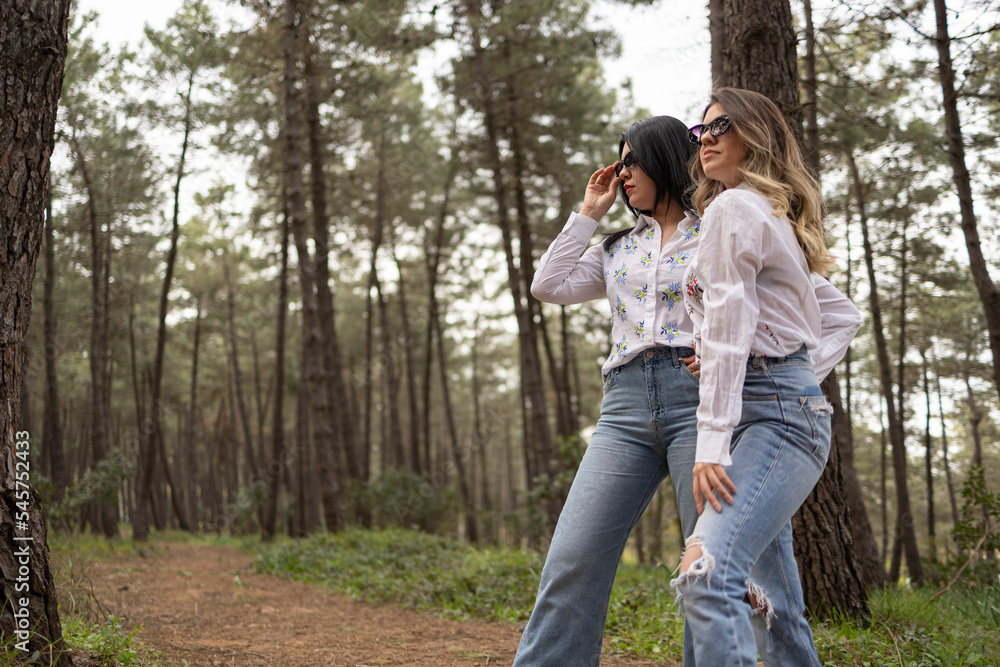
779,451
647,430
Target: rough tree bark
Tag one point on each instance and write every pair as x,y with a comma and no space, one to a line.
759,53
32,55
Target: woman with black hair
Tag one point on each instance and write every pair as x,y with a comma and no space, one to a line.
648,424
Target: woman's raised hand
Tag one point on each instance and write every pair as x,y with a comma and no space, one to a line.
601,193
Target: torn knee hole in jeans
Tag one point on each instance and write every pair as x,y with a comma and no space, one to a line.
698,566
759,602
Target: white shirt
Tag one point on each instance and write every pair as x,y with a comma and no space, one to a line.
749,292
641,280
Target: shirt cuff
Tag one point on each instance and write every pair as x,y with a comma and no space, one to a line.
580,227
713,447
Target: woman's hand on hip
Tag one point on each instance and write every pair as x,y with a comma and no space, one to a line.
710,478
693,364
602,189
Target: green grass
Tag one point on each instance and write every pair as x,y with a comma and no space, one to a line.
107,641
441,576
962,627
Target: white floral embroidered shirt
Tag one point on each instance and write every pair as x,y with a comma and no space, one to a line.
750,292
641,280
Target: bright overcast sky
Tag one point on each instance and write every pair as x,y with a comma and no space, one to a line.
665,47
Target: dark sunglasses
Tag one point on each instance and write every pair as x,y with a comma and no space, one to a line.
720,125
626,162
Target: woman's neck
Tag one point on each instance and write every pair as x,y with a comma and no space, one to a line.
669,215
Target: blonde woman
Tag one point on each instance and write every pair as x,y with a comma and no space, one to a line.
763,423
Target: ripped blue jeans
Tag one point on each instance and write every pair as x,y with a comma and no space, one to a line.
779,451
647,431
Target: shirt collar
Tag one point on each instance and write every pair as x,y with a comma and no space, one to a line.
690,217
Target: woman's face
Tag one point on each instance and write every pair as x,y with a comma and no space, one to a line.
721,155
639,187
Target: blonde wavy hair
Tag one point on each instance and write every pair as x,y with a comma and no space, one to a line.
773,166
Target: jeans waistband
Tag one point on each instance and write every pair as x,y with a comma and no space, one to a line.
660,352
761,362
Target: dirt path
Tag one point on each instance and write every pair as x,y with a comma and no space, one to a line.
202,604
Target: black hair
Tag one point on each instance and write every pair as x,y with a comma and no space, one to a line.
660,148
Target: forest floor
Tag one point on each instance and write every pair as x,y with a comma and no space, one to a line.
202,605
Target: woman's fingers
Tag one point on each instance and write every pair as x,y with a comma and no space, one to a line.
709,480
693,364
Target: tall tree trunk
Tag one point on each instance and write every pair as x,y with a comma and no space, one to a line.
901,394
759,53
539,443
976,415
810,143
410,369
192,432
278,425
944,449
904,522
154,435
52,438
252,466
989,294
481,436
103,515
865,550
849,292
32,55
345,439
322,421
560,385
717,32
568,364
468,503
433,245
392,443
928,458
883,477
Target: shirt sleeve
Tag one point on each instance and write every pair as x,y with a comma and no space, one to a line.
569,272
729,259
839,322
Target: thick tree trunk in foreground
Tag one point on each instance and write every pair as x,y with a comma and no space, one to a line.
759,53
32,55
